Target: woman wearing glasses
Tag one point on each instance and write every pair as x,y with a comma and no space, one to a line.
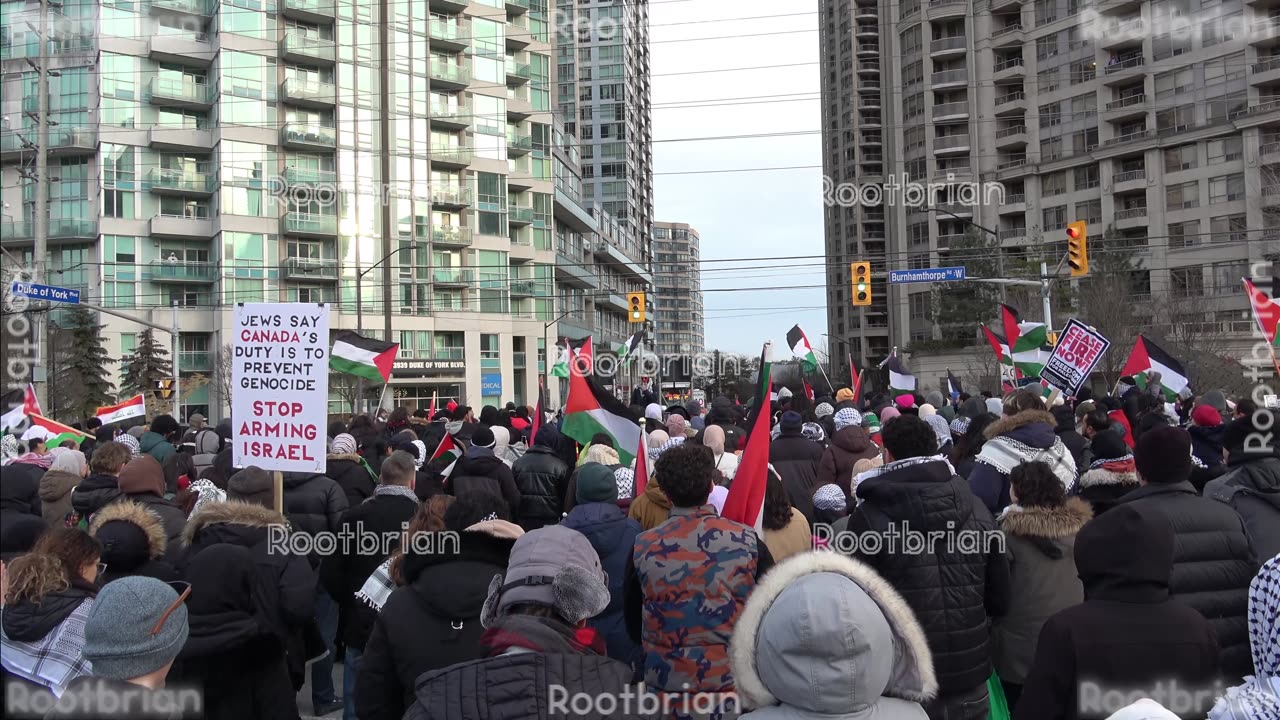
49,594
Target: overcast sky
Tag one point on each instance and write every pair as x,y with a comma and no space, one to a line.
743,214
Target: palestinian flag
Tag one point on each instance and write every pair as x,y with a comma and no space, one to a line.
630,346
1028,342
572,349
591,409
800,348
448,449
764,383
745,502
1148,358
22,404
363,357
135,406
1265,311
1010,320
953,387
58,433
641,471
900,378
1008,372
856,376
539,413
808,390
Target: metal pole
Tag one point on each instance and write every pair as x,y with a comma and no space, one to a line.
1044,296
359,331
40,250
177,372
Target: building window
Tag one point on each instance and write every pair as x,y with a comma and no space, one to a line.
1182,196
1184,234
1188,281
1226,188
919,304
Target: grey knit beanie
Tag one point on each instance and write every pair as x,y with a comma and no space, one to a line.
121,639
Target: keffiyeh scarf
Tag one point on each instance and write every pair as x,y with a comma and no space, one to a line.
1004,454
896,465
378,587
1259,697
206,493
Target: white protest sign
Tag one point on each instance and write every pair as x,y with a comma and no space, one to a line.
280,398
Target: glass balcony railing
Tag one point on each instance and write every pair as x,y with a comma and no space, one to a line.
187,7
163,88
525,288
184,271
309,135
519,142
194,361
450,30
451,196
190,181
311,91
308,46
310,224
520,215
309,176
519,70
298,268
452,154
451,276
452,235
59,229
318,8
456,73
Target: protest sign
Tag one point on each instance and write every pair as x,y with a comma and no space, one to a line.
1078,352
280,398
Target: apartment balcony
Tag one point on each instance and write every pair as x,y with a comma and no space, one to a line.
949,78
192,8
518,105
945,241
454,236
519,144
319,12
955,209
1011,234
191,49
1007,35
452,276
183,183
1130,137
1269,149
1129,180
1014,167
520,216
868,30
310,269
310,225
176,139
1265,72
1127,108
869,102
524,288
1009,69
1266,30
939,9
518,73
866,12
304,136
456,75
870,119
951,111
309,93
452,34
308,50
451,117
517,7
1131,218
576,273
1271,196
456,156
183,271
195,361
614,301
955,45
449,6
951,144
169,92
1011,136
302,177
868,49
62,142
451,197
1008,6
1013,204
1124,70
183,227
60,230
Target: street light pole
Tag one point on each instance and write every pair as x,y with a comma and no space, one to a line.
546,363
360,310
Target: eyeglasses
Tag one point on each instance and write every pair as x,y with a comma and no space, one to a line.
184,591
102,569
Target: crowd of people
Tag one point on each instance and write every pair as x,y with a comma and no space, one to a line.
916,557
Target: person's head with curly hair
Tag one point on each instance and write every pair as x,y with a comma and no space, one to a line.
777,503
907,437
686,473
1035,485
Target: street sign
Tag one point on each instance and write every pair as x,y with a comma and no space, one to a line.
47,292
1079,350
491,384
926,275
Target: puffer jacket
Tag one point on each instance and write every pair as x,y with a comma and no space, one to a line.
96,492
1212,563
479,468
313,503
155,445
823,617
613,535
1103,485
696,559
356,478
796,459
140,552
542,479
847,447
1042,570
55,496
207,446
652,508
1026,437
1251,487
1206,443
953,593
142,481
20,491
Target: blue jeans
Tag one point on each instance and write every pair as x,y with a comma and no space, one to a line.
350,669
322,669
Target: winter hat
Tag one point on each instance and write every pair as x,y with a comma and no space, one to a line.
131,442
791,420
784,393
678,440
1164,455
653,411
941,429
344,444
888,414
19,533
1217,400
1206,416
129,533
625,478
694,408
1109,446
823,410
137,626
676,425
1144,709
906,400
847,417
871,422
866,464
596,483
421,457
483,437
830,497
844,395
719,494
995,406
934,398
960,425
142,475
67,460
551,566
813,432
252,485
928,409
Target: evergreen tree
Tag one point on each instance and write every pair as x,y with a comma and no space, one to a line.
958,307
143,370
82,383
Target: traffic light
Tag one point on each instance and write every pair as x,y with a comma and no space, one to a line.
1078,248
861,272
635,301
165,388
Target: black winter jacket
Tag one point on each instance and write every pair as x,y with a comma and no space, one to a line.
1212,564
1067,433
1127,634
95,493
171,516
796,460
20,489
429,624
613,535
479,468
1206,443
952,593
847,447
541,479
313,503
1252,489
342,574
351,474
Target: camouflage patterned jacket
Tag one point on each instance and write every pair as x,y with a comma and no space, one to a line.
692,576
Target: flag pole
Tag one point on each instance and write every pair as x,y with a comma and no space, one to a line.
383,395
830,387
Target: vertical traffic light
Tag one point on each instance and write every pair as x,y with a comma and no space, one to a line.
1078,248
861,272
635,301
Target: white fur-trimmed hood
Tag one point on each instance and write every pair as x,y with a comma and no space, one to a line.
912,677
